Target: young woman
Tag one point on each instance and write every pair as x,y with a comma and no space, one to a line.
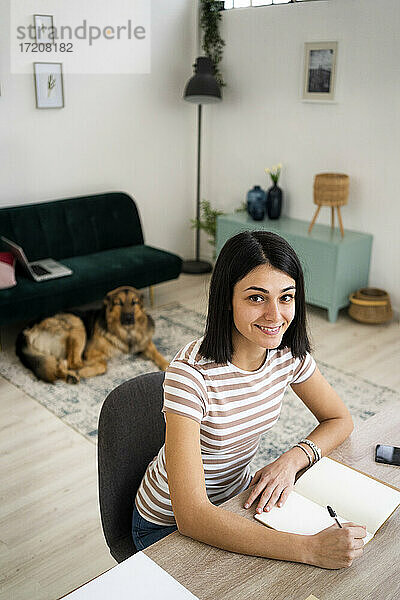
222,392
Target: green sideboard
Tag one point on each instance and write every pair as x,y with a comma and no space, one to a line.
333,267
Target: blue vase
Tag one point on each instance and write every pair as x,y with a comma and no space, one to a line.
256,203
274,202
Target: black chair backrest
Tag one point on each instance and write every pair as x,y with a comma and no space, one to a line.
131,432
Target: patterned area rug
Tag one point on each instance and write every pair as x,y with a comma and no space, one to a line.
79,405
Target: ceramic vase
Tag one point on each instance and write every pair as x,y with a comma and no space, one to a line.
274,202
256,203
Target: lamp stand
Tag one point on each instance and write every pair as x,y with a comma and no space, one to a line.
197,266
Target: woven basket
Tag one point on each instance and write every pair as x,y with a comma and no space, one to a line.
370,305
331,189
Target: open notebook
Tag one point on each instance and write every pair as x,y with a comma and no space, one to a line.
355,497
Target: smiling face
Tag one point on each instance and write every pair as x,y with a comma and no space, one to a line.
263,305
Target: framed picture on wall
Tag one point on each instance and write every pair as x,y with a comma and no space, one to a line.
49,87
44,29
319,71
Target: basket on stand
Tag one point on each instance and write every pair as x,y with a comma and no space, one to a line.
370,305
330,189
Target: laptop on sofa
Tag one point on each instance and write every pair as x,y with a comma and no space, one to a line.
39,270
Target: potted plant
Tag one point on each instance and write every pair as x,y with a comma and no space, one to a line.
208,222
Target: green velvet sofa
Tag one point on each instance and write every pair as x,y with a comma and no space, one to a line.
99,237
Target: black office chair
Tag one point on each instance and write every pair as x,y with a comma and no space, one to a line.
131,432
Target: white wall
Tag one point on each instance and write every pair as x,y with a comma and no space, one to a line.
117,132
262,119
134,132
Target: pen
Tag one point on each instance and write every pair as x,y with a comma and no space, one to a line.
334,515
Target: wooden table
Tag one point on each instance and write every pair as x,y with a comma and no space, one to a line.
214,574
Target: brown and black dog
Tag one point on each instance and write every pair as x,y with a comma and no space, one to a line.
69,346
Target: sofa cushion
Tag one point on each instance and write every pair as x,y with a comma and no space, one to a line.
7,270
93,276
73,227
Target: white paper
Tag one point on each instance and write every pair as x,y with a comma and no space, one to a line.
298,515
302,516
137,577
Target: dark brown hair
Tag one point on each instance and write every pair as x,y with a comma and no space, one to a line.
241,254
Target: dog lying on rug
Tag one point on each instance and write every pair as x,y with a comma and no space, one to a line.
69,346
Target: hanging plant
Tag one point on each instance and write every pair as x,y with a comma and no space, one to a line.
213,44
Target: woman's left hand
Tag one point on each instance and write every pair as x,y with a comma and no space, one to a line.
272,484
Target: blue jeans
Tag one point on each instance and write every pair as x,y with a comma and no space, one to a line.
145,533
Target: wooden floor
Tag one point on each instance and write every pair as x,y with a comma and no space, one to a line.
50,533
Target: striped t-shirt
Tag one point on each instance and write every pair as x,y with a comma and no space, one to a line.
233,407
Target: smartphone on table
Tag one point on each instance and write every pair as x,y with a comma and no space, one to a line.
389,455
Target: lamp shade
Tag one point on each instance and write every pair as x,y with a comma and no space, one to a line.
202,88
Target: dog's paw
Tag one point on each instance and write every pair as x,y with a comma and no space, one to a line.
72,378
76,365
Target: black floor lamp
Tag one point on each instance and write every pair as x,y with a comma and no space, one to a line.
202,88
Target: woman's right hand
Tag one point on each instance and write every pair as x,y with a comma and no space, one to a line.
335,547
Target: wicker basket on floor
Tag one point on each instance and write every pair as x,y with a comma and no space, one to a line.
370,305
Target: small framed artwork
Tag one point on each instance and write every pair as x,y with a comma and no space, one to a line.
44,29
319,71
49,87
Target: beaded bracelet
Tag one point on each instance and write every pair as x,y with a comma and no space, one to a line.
309,456
314,448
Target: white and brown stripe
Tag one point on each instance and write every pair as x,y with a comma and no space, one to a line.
233,407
